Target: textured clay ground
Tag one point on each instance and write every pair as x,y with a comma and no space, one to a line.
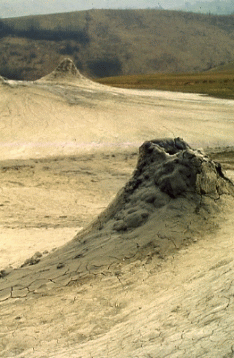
65,152
176,306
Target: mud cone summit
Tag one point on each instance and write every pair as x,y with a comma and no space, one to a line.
167,170
66,71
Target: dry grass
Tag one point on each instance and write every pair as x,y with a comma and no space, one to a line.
217,84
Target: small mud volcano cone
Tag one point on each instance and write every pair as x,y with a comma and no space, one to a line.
65,71
66,68
2,81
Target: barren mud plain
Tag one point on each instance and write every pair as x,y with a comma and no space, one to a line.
105,251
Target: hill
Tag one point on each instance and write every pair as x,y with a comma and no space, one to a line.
105,43
224,67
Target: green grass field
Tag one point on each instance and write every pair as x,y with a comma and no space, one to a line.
218,84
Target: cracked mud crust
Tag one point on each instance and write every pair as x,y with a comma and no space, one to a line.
173,198
152,276
149,248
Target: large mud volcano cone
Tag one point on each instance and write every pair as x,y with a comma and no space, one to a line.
169,172
175,197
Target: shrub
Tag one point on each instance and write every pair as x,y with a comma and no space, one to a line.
105,67
34,32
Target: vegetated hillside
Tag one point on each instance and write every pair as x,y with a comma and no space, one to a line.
105,43
227,67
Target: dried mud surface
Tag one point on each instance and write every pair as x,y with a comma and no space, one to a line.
163,289
178,305
45,202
